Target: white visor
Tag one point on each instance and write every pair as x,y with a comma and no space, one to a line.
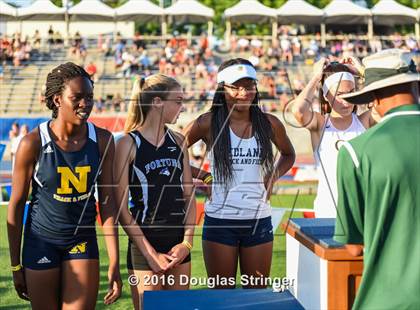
234,73
334,79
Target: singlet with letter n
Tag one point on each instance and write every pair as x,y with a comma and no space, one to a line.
63,184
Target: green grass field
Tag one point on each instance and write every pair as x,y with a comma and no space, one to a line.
10,300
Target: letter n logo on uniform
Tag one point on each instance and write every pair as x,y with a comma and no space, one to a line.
67,177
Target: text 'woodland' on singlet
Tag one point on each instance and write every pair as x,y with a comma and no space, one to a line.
246,196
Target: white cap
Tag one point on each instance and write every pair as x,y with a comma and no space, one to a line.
234,73
334,79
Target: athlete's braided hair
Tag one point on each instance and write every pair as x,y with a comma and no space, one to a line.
57,79
220,133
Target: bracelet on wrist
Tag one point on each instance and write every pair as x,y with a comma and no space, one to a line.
187,245
16,268
208,179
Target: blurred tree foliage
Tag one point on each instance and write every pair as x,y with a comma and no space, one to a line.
219,6
111,3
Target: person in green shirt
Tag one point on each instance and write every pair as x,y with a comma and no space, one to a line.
378,176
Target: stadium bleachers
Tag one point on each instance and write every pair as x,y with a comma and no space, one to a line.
20,88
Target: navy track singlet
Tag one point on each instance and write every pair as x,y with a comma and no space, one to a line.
62,207
157,200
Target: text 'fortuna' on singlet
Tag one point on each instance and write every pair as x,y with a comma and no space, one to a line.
157,197
63,185
246,196
326,164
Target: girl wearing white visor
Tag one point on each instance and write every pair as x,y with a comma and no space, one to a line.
239,137
335,124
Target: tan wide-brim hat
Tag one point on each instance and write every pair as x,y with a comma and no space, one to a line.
386,68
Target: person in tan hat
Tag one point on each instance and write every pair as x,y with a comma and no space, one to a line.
378,185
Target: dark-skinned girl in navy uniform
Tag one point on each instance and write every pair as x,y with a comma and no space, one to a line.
152,162
63,160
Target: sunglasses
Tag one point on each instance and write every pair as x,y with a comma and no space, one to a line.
237,89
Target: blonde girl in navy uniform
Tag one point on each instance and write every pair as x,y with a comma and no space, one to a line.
152,165
64,158
239,138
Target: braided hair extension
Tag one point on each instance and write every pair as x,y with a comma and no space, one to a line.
220,133
57,79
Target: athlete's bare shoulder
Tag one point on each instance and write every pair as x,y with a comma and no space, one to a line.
180,139
125,146
103,134
32,139
204,120
203,123
274,121
125,140
105,139
31,145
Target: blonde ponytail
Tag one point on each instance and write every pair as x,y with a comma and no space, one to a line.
156,85
134,113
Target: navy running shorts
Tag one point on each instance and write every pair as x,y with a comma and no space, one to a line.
243,233
39,254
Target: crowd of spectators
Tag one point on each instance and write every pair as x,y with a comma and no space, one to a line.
78,49
291,48
195,62
55,40
15,50
16,133
111,103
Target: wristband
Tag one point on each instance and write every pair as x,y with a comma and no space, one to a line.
208,179
361,71
187,244
17,267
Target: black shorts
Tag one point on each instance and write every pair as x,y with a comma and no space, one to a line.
39,254
162,242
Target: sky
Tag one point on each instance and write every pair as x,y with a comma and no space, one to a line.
20,2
